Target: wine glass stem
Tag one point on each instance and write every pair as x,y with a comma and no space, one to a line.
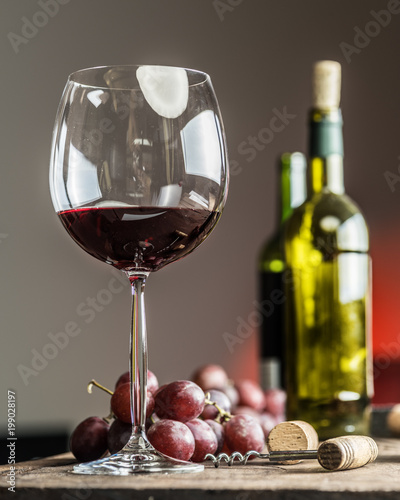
138,356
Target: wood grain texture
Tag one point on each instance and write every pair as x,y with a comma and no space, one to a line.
51,479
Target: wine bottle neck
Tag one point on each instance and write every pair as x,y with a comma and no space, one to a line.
292,183
326,151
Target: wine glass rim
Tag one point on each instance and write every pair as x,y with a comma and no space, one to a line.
75,77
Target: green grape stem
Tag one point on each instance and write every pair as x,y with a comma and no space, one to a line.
96,384
109,417
221,412
90,385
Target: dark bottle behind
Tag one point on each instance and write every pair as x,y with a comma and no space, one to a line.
329,369
292,192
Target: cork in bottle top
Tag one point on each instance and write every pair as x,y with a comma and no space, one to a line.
326,85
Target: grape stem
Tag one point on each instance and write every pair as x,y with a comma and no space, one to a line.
109,417
92,383
96,384
221,412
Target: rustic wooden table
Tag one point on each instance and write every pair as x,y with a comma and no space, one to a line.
51,479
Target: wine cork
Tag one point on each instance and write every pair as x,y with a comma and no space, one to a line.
347,452
293,435
393,420
326,85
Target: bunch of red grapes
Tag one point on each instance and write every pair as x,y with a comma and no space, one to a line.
186,419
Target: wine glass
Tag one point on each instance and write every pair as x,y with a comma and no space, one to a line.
138,178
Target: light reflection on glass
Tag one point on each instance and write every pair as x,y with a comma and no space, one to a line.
201,139
82,182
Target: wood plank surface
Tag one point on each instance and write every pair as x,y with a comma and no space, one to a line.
51,479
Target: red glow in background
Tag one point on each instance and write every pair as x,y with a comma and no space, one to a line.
385,246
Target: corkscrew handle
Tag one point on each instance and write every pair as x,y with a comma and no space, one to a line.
347,452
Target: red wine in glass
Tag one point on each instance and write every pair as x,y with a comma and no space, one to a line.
141,238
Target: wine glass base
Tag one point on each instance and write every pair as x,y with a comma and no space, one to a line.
125,464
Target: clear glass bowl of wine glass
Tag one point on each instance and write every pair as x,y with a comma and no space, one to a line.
138,178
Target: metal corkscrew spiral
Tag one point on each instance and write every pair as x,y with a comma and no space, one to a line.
273,456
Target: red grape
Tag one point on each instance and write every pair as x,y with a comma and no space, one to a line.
243,433
275,401
172,438
123,379
120,403
160,413
250,394
232,393
161,388
267,422
246,410
219,432
118,435
222,400
205,439
152,382
89,439
211,377
226,450
181,400
150,404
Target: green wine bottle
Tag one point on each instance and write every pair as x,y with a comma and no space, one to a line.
328,355
271,264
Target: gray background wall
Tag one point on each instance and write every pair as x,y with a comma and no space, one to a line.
259,55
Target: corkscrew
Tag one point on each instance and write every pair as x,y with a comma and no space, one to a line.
342,453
